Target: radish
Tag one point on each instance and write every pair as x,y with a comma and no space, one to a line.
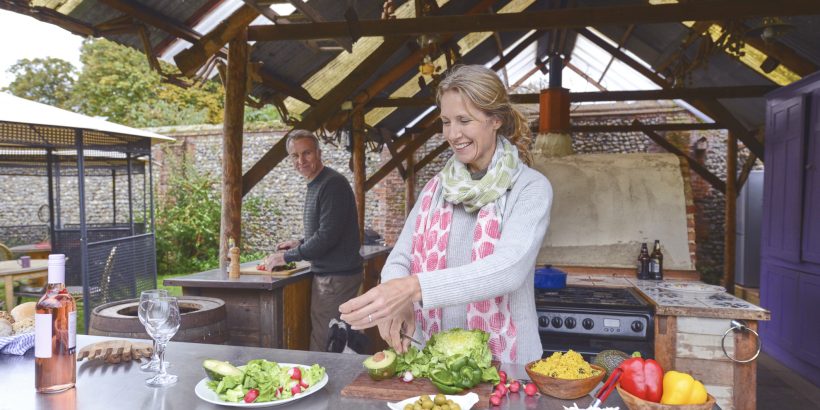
503,376
251,396
407,377
295,373
515,386
296,389
530,389
303,384
495,400
501,389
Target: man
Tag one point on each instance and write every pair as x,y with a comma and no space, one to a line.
331,241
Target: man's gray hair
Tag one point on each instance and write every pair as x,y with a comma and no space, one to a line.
298,134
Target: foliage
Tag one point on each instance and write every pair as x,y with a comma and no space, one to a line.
46,80
116,82
188,221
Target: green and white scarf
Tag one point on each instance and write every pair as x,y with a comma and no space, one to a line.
460,188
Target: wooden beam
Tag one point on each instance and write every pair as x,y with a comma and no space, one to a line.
284,87
50,16
745,171
392,148
751,91
640,128
714,10
359,170
194,57
621,43
320,112
154,18
235,92
710,107
730,197
788,57
431,156
409,149
693,164
316,16
410,182
149,52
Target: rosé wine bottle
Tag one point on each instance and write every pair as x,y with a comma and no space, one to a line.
55,333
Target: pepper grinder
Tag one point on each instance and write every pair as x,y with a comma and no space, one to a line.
233,270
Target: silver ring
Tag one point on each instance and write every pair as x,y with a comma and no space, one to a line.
370,317
740,326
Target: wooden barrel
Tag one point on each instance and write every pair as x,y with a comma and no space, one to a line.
202,320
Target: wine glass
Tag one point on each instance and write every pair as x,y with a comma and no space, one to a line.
162,322
153,364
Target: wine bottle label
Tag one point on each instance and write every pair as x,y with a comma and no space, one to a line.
42,335
72,329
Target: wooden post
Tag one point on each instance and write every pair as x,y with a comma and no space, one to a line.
731,203
235,92
359,174
410,182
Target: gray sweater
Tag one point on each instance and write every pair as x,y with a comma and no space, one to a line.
509,270
331,242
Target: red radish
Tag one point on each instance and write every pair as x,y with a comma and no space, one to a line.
303,384
251,395
407,377
278,392
503,376
502,389
495,394
495,400
295,373
296,389
530,389
515,386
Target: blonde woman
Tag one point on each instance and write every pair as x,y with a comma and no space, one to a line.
466,255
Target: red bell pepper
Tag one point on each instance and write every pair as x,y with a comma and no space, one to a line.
642,378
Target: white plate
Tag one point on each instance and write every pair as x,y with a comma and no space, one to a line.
466,402
694,288
203,392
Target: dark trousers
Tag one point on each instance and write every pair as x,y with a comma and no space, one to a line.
327,293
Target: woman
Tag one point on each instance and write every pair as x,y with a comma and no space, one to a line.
466,255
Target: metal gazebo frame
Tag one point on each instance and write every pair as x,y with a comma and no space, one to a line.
110,261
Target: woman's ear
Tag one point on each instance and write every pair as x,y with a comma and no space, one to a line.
496,122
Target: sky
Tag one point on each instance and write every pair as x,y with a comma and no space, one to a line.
41,40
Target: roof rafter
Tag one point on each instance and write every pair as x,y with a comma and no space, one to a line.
558,18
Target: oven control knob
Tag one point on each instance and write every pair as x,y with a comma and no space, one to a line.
588,324
543,321
570,323
637,326
557,322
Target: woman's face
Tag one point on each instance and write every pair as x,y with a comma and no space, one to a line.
470,132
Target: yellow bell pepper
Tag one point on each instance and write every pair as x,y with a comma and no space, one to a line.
682,388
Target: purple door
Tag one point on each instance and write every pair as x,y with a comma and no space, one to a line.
808,339
811,193
782,199
779,290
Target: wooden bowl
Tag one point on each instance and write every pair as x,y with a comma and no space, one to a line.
636,403
566,389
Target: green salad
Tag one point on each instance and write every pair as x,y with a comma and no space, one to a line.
260,380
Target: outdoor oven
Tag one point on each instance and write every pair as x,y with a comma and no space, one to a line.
604,207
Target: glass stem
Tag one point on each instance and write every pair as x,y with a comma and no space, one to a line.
161,359
155,356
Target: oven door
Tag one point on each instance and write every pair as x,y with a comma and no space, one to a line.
589,346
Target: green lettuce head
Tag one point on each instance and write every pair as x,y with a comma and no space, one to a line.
468,343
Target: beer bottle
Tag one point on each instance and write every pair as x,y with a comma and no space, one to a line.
643,263
656,262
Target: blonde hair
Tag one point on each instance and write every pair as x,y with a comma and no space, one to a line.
484,89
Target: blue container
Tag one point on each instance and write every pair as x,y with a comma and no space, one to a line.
547,277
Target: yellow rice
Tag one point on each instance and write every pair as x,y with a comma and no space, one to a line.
569,365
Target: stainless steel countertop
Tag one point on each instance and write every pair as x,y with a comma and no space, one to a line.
104,387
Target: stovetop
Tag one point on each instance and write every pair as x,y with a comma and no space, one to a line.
590,297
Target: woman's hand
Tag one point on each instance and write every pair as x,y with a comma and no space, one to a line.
391,329
385,301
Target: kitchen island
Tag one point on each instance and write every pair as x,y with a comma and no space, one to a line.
267,311
689,330
103,386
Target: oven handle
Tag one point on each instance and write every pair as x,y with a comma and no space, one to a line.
740,326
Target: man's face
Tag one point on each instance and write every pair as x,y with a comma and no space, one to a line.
306,157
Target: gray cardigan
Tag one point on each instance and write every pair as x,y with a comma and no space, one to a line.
509,270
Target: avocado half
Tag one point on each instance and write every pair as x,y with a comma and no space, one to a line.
217,370
381,365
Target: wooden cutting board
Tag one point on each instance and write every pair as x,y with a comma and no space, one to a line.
396,390
301,266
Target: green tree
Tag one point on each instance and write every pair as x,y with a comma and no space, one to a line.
47,80
116,82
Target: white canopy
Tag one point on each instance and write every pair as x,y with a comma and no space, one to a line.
15,109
